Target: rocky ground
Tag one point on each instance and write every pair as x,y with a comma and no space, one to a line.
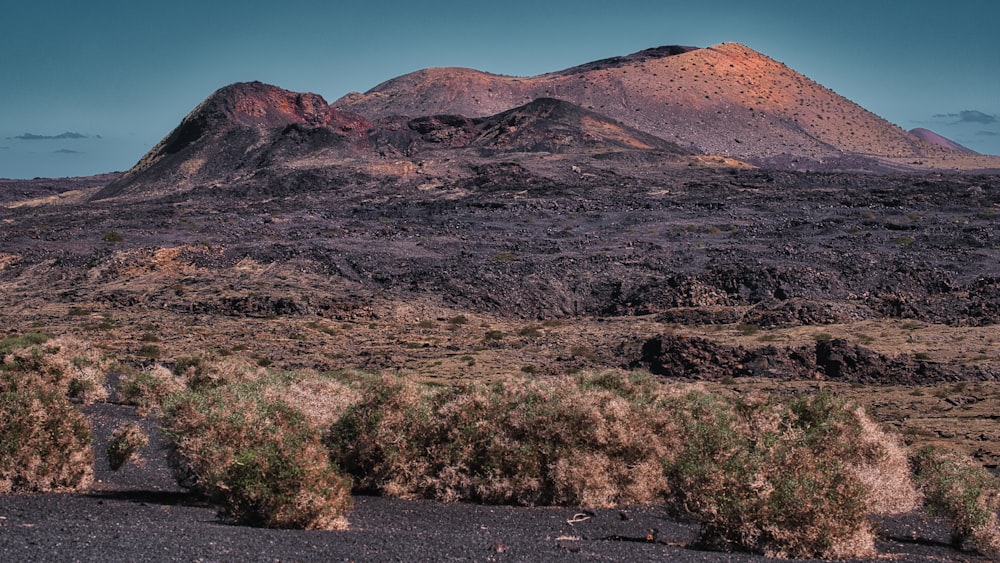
883,288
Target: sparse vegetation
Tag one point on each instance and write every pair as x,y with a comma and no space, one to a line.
112,236
124,446
961,490
789,478
494,335
530,332
795,479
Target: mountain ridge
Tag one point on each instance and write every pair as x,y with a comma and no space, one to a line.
726,100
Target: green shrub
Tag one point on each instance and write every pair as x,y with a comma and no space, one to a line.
961,490
780,479
44,441
256,456
149,351
124,446
21,341
146,389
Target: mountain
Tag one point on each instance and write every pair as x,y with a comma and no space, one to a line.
225,133
728,100
256,132
940,140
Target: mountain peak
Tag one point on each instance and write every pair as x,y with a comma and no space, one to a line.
638,57
727,99
232,118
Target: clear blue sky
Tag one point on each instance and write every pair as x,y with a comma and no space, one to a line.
119,75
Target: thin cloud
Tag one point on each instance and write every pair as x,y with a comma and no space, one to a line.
987,134
969,116
66,151
61,136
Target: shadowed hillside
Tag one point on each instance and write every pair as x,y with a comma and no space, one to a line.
217,139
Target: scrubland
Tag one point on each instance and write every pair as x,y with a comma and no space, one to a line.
785,476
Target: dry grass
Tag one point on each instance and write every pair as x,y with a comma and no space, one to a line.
146,389
885,471
73,365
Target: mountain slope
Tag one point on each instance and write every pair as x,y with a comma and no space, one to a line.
256,134
220,137
940,140
727,99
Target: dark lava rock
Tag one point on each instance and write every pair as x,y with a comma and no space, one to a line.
837,359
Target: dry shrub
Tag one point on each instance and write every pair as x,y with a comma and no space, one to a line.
146,389
380,440
44,440
200,371
562,441
322,398
72,365
124,446
256,456
963,491
884,471
787,479
773,478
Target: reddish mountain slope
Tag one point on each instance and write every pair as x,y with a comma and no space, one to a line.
217,139
940,140
249,132
726,99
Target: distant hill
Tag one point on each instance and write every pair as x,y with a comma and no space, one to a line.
727,99
939,140
218,137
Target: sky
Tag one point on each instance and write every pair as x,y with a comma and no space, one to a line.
89,87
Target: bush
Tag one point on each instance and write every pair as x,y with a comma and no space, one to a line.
71,365
256,456
203,372
789,479
961,490
794,479
126,441
146,389
44,441
779,479
563,441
